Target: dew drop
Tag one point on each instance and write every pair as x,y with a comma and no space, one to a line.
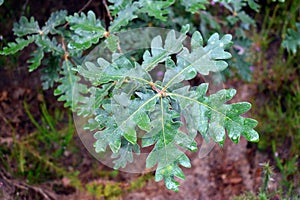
255,138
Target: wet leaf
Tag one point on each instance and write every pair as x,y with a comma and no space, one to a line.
134,103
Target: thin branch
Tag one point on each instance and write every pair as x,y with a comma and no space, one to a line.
24,7
107,10
119,47
84,7
23,186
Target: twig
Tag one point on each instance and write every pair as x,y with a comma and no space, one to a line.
23,186
107,10
84,7
24,7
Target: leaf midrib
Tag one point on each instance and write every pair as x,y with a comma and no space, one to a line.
170,82
207,106
135,112
163,127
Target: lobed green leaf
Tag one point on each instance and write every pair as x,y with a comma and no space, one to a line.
292,40
125,154
49,46
70,90
50,73
117,5
200,60
26,27
160,53
20,44
123,18
194,6
157,9
57,18
36,59
88,30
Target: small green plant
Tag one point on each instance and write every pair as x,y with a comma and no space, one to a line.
263,193
45,145
124,98
282,119
292,40
37,155
267,174
289,172
279,85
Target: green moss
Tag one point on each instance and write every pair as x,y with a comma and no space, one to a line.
247,196
113,190
139,182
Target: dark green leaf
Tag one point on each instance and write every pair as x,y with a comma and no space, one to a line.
50,73
36,59
208,21
253,5
245,18
194,6
123,18
70,90
157,9
50,46
240,54
88,30
14,47
118,5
